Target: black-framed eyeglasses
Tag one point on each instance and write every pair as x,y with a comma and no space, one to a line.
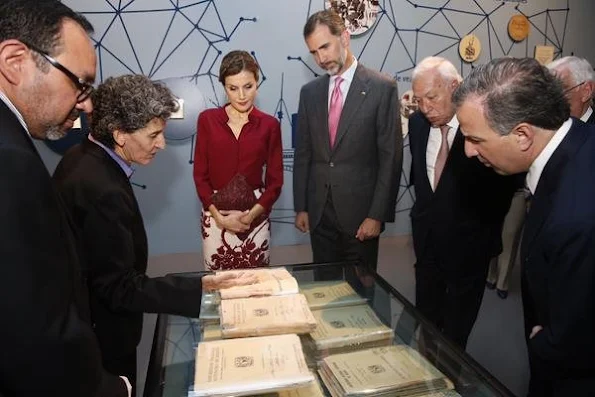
573,87
85,88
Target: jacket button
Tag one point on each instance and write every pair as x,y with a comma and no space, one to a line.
331,164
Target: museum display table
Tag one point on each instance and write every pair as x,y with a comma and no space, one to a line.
172,362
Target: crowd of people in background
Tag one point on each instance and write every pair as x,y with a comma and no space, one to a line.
503,168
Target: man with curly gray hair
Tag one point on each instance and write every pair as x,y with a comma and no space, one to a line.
127,126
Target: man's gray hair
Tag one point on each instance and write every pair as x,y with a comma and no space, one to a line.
514,91
442,65
580,69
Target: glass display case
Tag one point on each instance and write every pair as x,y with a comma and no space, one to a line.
172,362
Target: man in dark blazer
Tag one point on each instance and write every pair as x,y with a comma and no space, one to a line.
346,189
93,179
507,129
578,79
459,209
47,65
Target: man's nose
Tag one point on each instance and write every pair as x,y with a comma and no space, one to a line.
470,149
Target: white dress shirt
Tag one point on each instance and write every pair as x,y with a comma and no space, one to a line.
540,162
587,114
434,142
347,79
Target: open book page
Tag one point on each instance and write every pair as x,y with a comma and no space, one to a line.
249,366
343,326
271,282
269,315
325,294
384,369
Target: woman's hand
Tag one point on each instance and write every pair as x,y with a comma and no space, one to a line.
232,221
212,282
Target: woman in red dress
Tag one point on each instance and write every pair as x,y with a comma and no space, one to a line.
237,145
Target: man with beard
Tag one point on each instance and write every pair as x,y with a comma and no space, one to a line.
47,65
349,149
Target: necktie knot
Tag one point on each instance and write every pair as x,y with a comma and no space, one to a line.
444,130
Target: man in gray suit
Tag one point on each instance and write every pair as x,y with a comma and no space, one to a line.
348,154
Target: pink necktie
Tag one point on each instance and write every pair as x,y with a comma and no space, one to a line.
334,112
442,155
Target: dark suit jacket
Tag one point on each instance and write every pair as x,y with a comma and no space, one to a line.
364,167
46,342
461,222
109,223
558,257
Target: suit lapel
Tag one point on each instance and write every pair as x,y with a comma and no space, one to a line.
548,184
355,97
320,106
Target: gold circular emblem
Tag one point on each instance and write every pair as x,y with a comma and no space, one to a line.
518,27
470,48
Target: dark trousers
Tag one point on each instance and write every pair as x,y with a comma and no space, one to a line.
449,301
122,365
330,243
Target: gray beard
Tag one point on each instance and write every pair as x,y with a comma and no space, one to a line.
55,133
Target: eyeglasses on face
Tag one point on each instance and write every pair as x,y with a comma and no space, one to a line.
85,89
573,87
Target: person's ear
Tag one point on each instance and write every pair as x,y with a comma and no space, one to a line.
13,58
345,38
524,135
120,137
587,91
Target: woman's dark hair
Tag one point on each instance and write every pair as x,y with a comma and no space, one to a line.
236,62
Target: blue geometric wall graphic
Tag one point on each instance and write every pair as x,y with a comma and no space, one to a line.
190,36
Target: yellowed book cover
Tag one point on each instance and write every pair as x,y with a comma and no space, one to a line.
269,315
248,366
325,294
344,326
271,282
381,370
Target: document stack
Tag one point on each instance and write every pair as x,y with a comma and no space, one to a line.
271,282
248,366
345,329
327,294
270,315
385,371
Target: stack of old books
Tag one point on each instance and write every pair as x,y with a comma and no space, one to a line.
248,366
384,371
265,354
345,329
270,315
327,294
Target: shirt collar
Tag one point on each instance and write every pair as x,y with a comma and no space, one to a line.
453,123
540,162
16,112
587,114
346,75
128,170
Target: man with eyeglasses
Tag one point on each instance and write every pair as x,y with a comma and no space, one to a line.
578,78
47,66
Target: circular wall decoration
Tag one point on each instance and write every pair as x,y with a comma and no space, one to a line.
518,27
182,124
359,15
470,48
